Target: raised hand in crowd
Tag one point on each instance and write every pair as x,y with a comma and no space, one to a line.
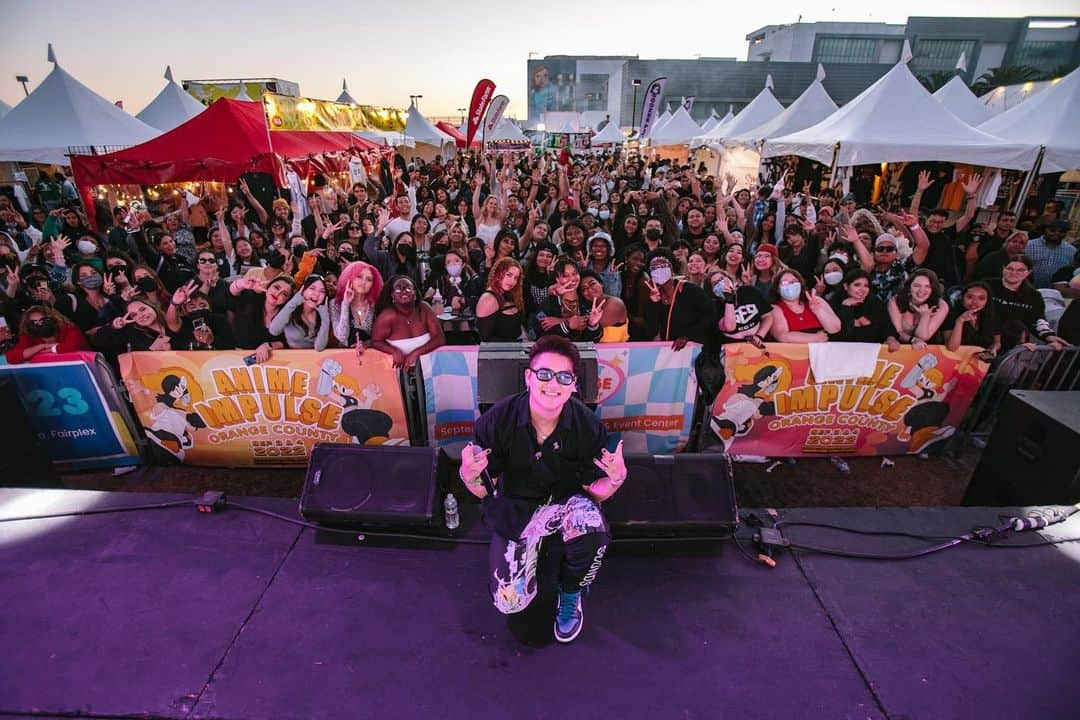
924,181
183,293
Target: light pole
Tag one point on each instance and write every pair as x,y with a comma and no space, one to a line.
462,111
414,98
23,79
633,108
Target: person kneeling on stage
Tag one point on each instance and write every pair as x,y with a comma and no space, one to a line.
541,467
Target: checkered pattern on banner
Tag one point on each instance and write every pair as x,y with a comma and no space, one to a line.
648,390
450,395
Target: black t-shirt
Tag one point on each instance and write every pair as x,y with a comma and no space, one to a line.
750,308
946,255
805,261
1017,311
873,310
249,327
981,335
527,473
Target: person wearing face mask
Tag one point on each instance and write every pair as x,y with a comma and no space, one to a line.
85,306
675,311
456,283
654,234
44,330
254,304
401,259
744,313
193,325
800,315
863,318
305,318
828,283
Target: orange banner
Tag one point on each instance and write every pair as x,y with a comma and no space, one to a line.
212,408
772,405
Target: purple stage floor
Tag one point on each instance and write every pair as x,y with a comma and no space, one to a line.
176,614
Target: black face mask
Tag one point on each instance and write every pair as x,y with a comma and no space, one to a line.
347,256
653,234
43,328
196,314
276,259
440,249
476,258
146,284
407,251
299,249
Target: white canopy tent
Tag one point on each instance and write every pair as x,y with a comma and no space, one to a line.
961,102
1049,119
62,113
762,108
679,130
895,120
345,97
173,106
710,122
810,108
4,108
389,138
428,140
611,134
506,131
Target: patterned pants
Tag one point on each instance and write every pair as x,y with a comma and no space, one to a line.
578,524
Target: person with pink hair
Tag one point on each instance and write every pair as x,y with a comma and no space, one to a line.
352,311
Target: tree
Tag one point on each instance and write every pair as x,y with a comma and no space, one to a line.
936,80
1011,75
1060,71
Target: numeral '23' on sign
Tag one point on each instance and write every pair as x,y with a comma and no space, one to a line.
42,402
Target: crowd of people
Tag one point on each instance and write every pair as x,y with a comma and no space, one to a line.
514,246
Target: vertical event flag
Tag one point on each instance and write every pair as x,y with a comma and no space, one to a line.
495,112
650,108
688,102
481,98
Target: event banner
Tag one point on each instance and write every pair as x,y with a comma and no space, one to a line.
646,395
650,105
297,113
214,408
573,141
772,406
495,112
481,98
75,411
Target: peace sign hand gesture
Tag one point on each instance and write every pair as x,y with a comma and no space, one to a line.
597,311
654,290
184,292
613,464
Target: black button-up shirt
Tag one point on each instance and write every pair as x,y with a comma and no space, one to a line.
528,473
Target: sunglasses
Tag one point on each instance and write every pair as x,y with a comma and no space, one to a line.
885,249
207,261
545,375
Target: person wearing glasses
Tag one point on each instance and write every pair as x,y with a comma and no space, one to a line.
887,271
541,467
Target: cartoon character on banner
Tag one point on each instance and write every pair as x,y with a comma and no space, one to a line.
752,401
174,420
366,426
924,421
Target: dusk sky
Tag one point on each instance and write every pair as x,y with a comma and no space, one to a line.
388,51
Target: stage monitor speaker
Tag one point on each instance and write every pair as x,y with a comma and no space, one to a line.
370,485
500,371
1031,457
668,495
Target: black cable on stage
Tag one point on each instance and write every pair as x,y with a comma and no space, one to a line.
841,528
103,511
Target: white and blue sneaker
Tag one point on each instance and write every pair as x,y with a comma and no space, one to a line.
568,617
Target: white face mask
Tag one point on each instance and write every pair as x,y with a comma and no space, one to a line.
833,278
605,214
86,247
660,275
594,212
610,185
453,269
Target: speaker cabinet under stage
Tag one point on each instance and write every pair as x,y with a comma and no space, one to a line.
24,460
500,371
370,485
674,495
1031,458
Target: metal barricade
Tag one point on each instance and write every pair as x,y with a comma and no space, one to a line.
1019,369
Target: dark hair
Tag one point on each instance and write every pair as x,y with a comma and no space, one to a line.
561,262
555,345
660,252
903,295
386,296
1022,258
774,288
1010,213
852,275
588,272
940,212
297,316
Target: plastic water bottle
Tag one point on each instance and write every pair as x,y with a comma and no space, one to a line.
450,510
438,305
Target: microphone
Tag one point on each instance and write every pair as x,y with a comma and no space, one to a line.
1041,517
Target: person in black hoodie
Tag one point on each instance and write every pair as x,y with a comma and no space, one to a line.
1019,306
863,318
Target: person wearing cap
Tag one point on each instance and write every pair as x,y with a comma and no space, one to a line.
763,269
887,271
847,207
1050,252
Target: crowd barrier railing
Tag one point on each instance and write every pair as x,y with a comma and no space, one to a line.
1019,369
74,405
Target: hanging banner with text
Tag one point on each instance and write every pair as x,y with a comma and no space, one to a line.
646,394
73,407
212,408
771,405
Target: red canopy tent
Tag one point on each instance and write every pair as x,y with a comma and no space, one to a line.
453,132
220,144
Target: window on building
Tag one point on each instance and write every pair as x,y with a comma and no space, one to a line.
1044,55
937,55
845,50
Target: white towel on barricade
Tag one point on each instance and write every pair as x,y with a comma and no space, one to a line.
831,361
